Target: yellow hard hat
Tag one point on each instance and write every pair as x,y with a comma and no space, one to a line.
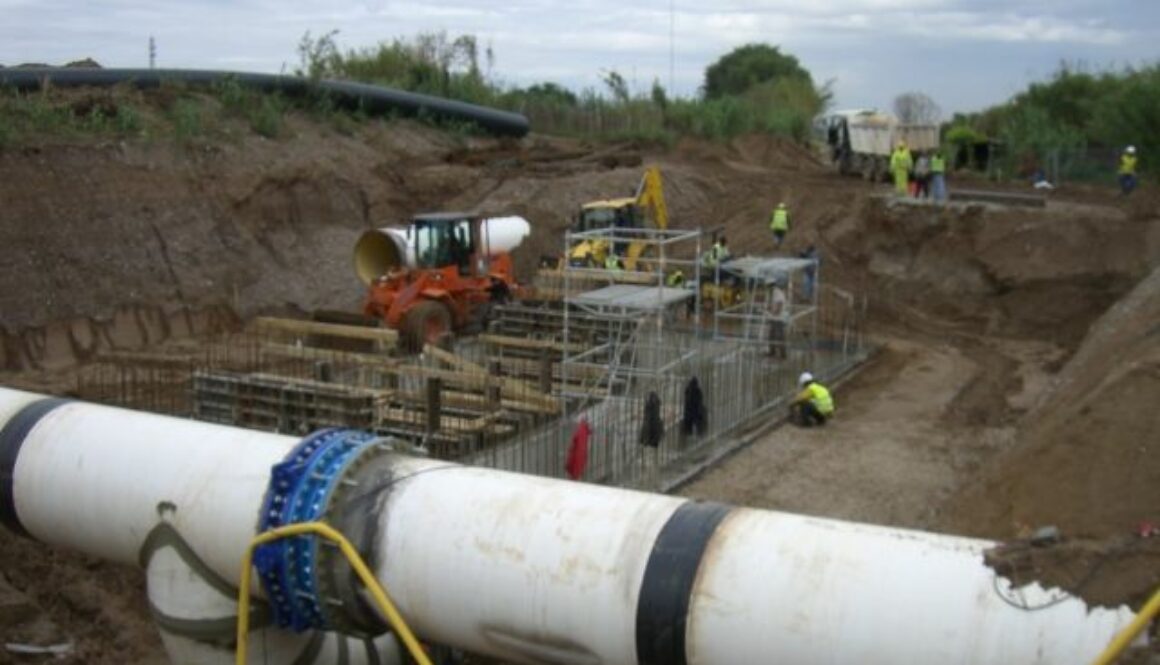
781,205
902,144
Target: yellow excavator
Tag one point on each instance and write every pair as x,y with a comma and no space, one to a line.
644,210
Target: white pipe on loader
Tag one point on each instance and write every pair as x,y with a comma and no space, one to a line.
379,251
530,569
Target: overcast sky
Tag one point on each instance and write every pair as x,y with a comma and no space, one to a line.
966,54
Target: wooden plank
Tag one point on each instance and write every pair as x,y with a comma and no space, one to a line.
301,327
453,359
525,343
478,402
531,366
310,353
418,419
510,386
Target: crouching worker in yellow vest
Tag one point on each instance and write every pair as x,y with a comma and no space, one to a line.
813,405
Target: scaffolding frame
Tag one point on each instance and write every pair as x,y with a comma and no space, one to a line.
643,304
758,277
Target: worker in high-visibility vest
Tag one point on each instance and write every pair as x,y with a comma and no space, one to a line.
676,279
717,254
1128,170
779,224
938,176
612,262
813,405
900,165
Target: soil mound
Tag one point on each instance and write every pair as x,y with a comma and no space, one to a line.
1044,274
1088,459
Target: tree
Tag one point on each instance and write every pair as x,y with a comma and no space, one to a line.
616,85
916,108
750,65
550,93
660,98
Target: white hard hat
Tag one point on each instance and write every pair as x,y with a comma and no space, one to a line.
805,378
1131,150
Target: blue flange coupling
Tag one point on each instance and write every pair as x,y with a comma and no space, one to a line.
299,491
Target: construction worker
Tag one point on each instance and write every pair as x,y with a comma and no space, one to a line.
717,254
810,272
779,224
922,176
778,318
612,262
813,404
676,279
900,165
938,178
1128,170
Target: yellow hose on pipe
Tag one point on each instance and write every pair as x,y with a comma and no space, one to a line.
394,618
1121,641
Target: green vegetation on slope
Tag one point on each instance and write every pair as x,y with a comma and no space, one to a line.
755,88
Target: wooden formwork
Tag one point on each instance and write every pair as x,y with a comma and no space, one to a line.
274,377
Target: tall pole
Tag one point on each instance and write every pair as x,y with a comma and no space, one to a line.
672,46
152,52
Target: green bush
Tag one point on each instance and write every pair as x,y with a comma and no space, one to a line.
1079,119
186,117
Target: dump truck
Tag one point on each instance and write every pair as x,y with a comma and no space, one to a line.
442,273
860,141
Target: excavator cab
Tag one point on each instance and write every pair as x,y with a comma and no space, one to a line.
645,209
619,213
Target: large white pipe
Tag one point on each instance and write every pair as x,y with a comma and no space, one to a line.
540,570
178,497
536,570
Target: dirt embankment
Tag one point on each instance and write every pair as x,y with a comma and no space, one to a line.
117,245
1031,273
121,246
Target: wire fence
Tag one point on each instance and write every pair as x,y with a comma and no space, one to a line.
1058,165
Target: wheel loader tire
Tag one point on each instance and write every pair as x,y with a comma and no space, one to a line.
425,324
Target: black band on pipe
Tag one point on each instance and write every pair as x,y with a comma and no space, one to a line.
663,609
11,439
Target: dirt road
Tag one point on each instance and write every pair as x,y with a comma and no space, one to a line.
883,459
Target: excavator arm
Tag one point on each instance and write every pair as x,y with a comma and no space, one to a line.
650,196
650,199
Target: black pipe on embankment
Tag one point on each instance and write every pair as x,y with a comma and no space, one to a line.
371,99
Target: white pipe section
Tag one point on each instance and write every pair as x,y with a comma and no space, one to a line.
504,234
525,568
537,570
809,590
145,489
124,471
